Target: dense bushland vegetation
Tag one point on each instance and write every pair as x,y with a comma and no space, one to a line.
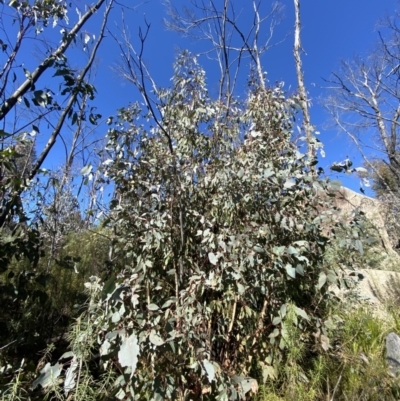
208,274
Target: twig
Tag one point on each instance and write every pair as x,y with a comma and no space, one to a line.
336,385
260,323
233,315
7,345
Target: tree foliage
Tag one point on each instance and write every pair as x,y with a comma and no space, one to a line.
32,104
220,240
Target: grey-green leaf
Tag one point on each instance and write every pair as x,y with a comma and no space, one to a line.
241,288
48,375
321,280
291,250
168,303
212,258
87,170
129,352
210,369
289,184
300,312
155,338
248,384
69,383
290,270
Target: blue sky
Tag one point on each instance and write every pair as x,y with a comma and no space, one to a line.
332,30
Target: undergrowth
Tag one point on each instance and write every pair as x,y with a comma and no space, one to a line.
353,369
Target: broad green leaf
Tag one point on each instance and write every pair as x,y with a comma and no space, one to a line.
268,372
291,250
274,334
105,348
116,317
331,277
248,384
289,184
259,249
168,303
278,250
268,173
359,247
300,270
325,343
120,394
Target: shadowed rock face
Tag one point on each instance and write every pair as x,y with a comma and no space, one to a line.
348,200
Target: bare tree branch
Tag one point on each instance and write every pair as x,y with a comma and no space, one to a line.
74,95
229,41
134,69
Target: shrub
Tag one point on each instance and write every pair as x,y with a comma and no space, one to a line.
221,244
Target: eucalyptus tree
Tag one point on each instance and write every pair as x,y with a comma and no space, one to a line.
235,41
231,41
41,96
46,59
217,257
218,249
32,104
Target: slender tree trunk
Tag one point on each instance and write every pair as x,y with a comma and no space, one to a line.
300,81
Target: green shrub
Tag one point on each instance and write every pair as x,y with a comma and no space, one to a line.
218,245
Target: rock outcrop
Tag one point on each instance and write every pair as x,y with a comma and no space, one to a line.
347,201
